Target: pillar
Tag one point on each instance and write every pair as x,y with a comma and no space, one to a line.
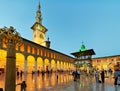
56,67
1,43
10,79
35,66
25,69
25,66
60,65
43,66
50,66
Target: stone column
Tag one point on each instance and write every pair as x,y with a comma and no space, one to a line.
69,67
56,67
35,66
50,67
43,66
10,79
60,65
25,67
1,43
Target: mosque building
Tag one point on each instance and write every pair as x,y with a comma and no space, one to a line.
37,55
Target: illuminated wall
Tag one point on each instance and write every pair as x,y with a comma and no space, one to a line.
105,62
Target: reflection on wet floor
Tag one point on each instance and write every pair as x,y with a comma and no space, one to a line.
37,82
49,82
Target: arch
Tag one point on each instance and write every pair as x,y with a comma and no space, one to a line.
30,63
3,54
28,49
65,66
58,65
53,65
20,61
68,66
22,47
39,63
72,66
61,65
47,65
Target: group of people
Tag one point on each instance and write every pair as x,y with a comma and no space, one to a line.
19,73
102,74
76,75
97,76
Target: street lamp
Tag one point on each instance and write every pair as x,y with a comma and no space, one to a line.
12,39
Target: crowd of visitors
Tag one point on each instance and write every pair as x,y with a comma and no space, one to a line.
100,75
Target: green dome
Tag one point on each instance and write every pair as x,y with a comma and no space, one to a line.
82,47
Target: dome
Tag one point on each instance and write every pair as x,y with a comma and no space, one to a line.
82,47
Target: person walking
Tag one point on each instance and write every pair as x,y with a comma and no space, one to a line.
23,86
97,76
118,80
115,77
78,73
103,76
75,76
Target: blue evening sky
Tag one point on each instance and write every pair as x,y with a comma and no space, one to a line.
69,22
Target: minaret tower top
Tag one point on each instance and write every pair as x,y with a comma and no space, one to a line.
39,15
39,31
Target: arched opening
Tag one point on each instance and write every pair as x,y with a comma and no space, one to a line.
30,64
58,65
3,54
64,66
47,64
39,64
20,62
67,66
61,66
53,65
72,66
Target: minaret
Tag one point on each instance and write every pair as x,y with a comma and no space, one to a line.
38,15
39,31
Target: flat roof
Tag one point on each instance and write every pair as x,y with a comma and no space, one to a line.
84,53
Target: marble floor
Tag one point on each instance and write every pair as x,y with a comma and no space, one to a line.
49,82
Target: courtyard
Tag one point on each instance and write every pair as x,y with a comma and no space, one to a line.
65,82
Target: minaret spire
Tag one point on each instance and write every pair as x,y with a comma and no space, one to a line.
39,34
39,6
39,15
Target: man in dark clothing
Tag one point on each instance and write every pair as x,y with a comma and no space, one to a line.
23,86
102,76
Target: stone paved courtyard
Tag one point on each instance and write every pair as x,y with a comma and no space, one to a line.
64,83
